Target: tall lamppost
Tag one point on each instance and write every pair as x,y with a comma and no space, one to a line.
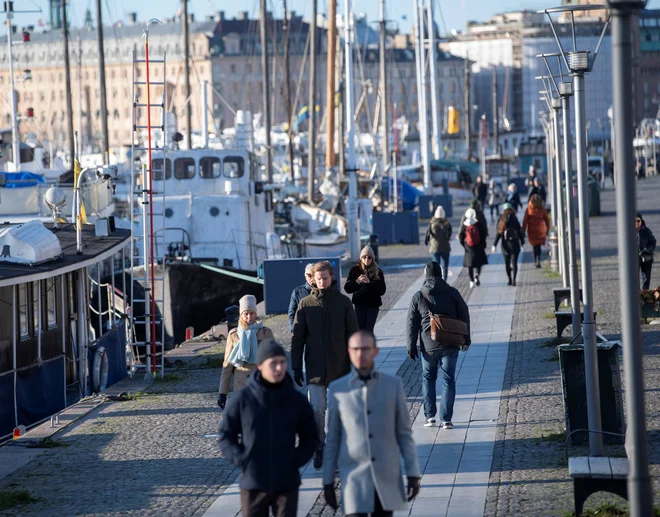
579,62
640,493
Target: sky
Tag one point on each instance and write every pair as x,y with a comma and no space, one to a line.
449,15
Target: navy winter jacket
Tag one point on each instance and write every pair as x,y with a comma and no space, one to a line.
268,417
296,295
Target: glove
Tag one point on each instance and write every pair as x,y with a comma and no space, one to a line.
493,249
413,488
412,353
331,497
298,377
222,400
464,348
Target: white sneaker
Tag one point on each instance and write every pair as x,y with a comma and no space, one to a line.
471,284
429,422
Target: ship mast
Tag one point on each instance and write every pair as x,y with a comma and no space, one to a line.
67,76
266,90
105,149
330,85
311,162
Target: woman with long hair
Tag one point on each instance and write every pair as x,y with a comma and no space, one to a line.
366,283
513,238
536,224
472,237
242,347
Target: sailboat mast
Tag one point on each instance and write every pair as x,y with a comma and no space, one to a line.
16,158
434,92
383,90
467,109
496,135
186,64
67,76
330,85
311,161
266,92
287,89
80,94
105,148
351,204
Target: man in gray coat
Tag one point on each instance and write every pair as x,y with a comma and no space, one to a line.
368,433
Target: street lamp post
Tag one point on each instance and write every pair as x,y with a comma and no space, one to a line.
640,493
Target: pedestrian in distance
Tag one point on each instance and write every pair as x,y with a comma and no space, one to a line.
481,217
259,431
480,190
368,434
513,198
324,322
437,303
529,182
242,348
538,189
536,224
438,240
646,245
513,238
366,283
299,293
495,197
472,237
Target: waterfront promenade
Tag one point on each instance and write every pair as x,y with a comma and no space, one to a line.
157,454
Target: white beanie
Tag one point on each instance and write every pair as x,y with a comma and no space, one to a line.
439,213
247,303
470,217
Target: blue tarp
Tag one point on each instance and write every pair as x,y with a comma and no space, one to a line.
40,391
114,343
22,179
7,422
407,191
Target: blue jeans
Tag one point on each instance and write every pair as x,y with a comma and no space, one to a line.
444,358
444,264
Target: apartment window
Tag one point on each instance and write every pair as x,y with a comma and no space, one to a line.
157,169
646,87
232,68
248,68
452,87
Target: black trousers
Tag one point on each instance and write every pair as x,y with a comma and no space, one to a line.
259,504
472,271
645,268
366,317
537,253
378,510
496,209
511,265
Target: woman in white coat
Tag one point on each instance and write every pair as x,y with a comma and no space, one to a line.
368,434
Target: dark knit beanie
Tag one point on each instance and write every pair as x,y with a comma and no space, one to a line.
432,269
269,348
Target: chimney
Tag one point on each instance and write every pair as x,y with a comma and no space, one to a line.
219,16
243,15
132,18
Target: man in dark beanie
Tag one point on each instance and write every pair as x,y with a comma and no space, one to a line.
436,297
270,416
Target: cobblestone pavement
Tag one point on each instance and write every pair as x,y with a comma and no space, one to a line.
529,475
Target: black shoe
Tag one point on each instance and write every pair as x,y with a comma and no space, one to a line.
509,283
514,283
538,265
476,280
318,459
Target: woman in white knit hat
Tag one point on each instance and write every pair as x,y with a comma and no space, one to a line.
472,237
242,346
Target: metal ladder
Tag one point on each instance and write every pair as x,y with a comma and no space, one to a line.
147,242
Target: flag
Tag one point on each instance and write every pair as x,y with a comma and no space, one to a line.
77,171
303,115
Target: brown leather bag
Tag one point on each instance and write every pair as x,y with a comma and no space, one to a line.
445,330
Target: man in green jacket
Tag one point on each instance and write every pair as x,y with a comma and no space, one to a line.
324,322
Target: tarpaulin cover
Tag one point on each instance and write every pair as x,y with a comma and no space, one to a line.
407,191
7,404
114,343
40,391
22,179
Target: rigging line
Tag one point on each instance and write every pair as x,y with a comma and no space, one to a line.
302,69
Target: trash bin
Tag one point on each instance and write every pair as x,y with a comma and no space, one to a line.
373,242
594,196
233,314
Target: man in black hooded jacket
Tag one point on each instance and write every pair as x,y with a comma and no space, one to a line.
269,415
646,246
436,297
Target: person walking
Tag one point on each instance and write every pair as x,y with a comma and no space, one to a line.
480,191
366,283
495,196
268,454
436,298
646,244
368,434
513,198
472,237
299,293
242,348
438,238
324,321
536,224
513,238
538,189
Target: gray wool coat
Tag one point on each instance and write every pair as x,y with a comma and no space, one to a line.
368,433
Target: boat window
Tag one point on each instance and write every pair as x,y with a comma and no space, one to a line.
157,169
51,302
22,302
36,315
209,168
233,167
184,168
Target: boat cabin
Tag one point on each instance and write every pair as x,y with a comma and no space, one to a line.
51,337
